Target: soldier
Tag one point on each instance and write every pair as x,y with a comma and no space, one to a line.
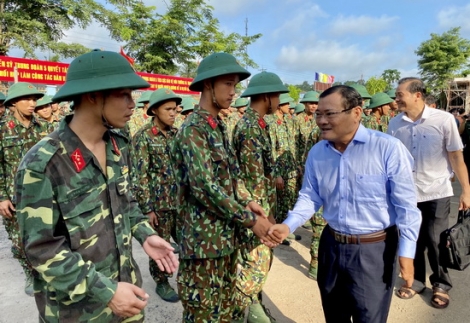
212,201
154,179
188,106
240,104
139,117
366,119
299,109
76,214
19,131
292,107
56,115
393,105
2,105
253,148
305,122
44,112
283,143
380,104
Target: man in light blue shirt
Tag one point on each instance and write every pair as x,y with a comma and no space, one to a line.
363,179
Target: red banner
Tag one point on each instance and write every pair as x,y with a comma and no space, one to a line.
52,73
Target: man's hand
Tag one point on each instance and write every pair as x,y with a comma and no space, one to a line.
6,209
162,252
152,219
278,232
464,201
279,183
407,270
261,228
256,209
129,300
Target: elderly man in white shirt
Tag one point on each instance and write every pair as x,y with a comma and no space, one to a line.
433,140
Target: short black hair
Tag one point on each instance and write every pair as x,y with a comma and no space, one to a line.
416,85
430,99
351,98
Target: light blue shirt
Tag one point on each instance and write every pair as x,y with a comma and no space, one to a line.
367,188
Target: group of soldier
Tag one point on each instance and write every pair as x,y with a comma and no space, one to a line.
212,175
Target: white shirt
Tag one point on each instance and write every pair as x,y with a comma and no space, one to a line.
429,140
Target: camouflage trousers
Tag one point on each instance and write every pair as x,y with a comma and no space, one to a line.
17,249
166,229
318,224
255,261
206,288
286,199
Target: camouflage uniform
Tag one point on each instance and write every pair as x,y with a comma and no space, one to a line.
154,183
384,121
178,121
370,122
230,122
138,119
15,141
304,126
253,147
211,202
80,232
284,152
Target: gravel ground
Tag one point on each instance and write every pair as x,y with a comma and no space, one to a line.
289,294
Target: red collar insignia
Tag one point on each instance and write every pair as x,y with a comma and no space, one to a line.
279,121
306,118
212,122
262,123
11,124
78,160
115,147
145,116
154,130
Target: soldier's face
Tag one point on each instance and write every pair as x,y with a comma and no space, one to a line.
179,109
311,107
339,126
385,109
54,107
242,110
2,109
166,113
44,111
118,107
224,89
26,105
284,108
367,112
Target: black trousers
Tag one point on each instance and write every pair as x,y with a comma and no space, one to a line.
435,216
356,281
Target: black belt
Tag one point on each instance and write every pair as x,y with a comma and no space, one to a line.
361,238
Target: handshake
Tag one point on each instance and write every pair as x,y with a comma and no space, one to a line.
266,229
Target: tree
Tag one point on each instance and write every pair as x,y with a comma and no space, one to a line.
294,92
32,25
177,40
391,76
375,85
442,58
305,86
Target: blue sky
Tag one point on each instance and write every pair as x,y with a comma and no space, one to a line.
345,38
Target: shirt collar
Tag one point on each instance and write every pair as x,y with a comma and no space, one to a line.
426,113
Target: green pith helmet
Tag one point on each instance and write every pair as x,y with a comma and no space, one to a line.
264,82
145,97
310,96
188,104
240,103
21,89
46,99
98,71
299,108
392,94
2,97
362,90
285,98
139,105
159,97
214,65
379,99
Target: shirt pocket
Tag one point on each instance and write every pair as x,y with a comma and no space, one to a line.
370,188
220,163
12,148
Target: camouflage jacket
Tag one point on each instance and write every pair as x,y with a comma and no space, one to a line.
253,148
283,142
312,139
370,122
211,197
154,178
304,126
138,119
15,141
77,225
384,121
178,121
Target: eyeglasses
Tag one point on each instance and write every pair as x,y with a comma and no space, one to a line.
330,115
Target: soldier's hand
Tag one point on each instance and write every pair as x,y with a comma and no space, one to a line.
162,252
279,183
261,228
129,300
256,209
152,219
6,209
278,232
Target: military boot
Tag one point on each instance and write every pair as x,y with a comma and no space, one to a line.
166,292
28,286
256,314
